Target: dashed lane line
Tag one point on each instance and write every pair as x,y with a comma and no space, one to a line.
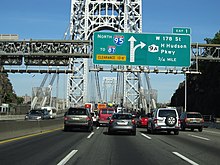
68,157
185,158
213,132
148,137
199,137
90,135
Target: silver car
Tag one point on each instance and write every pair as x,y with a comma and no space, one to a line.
78,118
122,122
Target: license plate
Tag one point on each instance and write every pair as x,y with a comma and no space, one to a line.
122,123
75,118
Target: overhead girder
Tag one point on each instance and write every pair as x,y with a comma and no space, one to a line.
59,52
43,52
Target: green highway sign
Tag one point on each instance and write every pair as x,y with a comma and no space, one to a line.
181,30
141,49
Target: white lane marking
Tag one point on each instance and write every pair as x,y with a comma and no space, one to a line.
90,135
146,136
67,158
185,158
211,132
97,128
199,137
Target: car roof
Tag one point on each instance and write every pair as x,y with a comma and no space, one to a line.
121,113
193,112
107,108
167,109
77,108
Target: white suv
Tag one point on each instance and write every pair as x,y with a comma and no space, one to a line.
164,119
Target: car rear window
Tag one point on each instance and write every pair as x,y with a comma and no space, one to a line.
33,112
77,111
165,113
194,115
106,111
122,116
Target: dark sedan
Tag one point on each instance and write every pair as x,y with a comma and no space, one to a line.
37,114
122,122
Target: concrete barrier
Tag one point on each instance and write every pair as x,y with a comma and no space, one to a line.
12,117
11,129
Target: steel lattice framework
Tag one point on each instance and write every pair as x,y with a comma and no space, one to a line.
88,16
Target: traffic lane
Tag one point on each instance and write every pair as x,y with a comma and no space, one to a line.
47,149
194,145
120,149
214,134
100,147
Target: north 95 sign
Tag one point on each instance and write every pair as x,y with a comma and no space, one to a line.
119,40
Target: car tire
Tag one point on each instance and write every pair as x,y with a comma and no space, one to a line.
182,127
66,129
200,129
176,132
192,129
109,132
152,131
90,129
170,121
133,133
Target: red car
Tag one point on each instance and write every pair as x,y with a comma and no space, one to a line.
143,120
104,115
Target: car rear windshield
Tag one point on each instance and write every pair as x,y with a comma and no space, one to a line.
194,115
33,112
122,116
106,111
165,113
73,111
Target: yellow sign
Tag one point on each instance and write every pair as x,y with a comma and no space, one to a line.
111,57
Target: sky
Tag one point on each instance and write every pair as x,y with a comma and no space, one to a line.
49,19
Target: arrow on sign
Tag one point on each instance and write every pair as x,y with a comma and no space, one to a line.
133,48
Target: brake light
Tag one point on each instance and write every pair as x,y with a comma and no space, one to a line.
179,122
155,120
88,118
202,120
111,121
133,121
67,118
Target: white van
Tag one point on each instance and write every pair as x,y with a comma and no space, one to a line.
52,112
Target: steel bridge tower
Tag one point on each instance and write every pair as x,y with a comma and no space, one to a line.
88,16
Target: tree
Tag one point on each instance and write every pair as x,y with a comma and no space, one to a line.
203,91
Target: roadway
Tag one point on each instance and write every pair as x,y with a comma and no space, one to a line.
99,148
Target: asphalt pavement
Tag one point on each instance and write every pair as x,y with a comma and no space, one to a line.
99,148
